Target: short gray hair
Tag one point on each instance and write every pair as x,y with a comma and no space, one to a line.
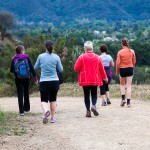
88,45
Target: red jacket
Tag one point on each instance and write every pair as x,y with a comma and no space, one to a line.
90,69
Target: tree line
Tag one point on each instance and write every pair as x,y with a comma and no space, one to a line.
69,42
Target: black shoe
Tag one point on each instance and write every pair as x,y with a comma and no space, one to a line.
104,103
128,105
45,120
88,114
108,102
123,102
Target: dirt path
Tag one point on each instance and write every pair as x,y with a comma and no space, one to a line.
115,128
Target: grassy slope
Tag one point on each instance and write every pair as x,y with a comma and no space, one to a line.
140,92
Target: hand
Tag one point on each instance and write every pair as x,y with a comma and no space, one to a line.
106,80
36,80
117,73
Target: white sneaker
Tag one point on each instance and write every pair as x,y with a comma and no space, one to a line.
53,120
128,105
26,112
22,114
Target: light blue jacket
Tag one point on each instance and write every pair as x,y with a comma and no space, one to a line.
48,63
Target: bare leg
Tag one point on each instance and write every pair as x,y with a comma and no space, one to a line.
103,97
45,107
108,98
53,108
128,84
122,85
122,89
104,102
107,94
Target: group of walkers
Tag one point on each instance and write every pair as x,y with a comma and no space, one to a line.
93,71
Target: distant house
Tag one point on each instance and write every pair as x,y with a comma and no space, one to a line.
96,33
110,39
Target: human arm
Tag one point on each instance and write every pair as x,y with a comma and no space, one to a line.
118,61
59,65
102,71
134,59
37,64
31,68
112,63
33,71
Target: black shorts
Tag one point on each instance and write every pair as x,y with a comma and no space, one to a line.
126,72
104,88
48,91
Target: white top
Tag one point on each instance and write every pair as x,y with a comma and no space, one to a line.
106,59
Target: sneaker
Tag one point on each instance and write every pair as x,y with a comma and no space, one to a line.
47,114
94,111
108,101
22,114
53,120
128,105
45,119
122,103
26,111
88,114
104,103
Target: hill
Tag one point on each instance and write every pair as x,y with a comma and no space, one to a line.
68,10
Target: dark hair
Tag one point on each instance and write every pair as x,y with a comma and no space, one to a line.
103,48
49,48
125,42
49,45
19,49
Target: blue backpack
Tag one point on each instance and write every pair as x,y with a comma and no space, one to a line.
22,68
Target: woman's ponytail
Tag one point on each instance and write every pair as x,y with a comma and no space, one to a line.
49,46
125,42
49,49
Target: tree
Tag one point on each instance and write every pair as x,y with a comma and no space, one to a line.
6,21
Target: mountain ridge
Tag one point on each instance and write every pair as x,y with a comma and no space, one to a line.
68,10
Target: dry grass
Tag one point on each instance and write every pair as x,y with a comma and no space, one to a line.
140,92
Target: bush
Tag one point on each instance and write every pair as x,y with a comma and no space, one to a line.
7,90
141,75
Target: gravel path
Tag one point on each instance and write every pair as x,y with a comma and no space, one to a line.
115,128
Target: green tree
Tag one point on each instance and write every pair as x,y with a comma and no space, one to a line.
6,21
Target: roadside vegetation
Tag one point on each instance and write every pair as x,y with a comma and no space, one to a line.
69,40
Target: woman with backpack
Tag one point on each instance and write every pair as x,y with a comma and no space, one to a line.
21,66
49,63
125,63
